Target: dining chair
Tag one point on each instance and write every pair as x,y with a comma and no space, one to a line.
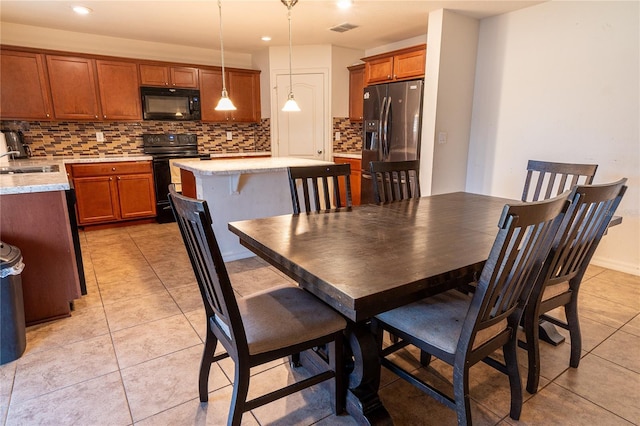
318,183
462,329
395,180
587,219
547,179
248,327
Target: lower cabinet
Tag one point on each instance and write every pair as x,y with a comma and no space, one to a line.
355,177
112,192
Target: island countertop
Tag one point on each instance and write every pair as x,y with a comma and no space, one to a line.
244,165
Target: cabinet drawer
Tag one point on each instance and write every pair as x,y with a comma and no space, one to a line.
101,169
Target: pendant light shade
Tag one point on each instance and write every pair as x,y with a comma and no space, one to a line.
224,104
291,105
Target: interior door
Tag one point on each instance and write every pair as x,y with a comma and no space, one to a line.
302,134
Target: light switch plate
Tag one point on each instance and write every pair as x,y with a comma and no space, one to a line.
337,136
99,136
442,137
229,136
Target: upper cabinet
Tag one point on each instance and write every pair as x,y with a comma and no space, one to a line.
119,90
160,75
46,85
25,86
398,65
243,88
356,91
73,88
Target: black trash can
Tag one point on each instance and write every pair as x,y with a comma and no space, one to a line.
12,327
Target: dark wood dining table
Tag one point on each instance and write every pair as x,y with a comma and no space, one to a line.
368,259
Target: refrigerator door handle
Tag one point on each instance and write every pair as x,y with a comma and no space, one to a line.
381,127
385,144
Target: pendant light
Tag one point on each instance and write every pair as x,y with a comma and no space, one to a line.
224,104
291,105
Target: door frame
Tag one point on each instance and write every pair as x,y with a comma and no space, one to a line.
327,150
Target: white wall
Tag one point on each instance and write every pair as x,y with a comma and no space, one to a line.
47,38
559,81
409,42
448,98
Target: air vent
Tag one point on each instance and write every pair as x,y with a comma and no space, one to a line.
343,27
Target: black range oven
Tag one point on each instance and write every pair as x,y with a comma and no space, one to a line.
165,147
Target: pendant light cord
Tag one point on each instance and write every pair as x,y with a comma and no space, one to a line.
290,50
224,86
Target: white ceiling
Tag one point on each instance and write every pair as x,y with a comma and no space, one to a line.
195,23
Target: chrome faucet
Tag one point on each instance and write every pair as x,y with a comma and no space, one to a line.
4,154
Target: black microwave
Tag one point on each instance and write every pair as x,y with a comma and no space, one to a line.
160,103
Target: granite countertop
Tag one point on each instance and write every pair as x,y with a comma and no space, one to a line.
354,155
20,183
244,165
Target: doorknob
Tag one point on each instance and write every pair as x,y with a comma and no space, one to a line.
319,151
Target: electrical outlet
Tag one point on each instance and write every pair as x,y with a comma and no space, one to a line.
337,136
99,136
229,136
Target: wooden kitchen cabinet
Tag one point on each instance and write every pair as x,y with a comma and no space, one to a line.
119,89
398,65
73,88
25,86
356,91
355,177
161,75
243,88
112,192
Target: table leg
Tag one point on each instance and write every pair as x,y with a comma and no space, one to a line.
363,367
363,403
547,333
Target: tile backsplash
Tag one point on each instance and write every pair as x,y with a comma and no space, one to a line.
79,138
350,135
74,138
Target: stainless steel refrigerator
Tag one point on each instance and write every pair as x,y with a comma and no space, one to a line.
391,126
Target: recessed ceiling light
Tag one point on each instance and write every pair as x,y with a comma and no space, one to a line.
81,10
265,38
344,4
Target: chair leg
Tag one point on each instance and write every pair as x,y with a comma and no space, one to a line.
425,358
240,391
511,361
294,361
205,364
461,394
571,312
336,362
533,351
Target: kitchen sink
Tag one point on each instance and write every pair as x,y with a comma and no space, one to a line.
10,170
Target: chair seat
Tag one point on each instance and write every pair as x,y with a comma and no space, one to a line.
284,316
438,320
551,291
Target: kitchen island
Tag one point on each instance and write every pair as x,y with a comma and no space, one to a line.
37,216
239,189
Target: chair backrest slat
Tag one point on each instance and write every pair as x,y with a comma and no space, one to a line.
194,220
395,180
551,179
586,221
523,242
316,183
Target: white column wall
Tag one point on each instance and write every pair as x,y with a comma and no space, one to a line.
559,81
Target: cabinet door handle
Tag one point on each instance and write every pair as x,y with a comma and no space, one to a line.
118,177
113,169
110,178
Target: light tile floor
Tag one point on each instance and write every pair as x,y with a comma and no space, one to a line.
130,354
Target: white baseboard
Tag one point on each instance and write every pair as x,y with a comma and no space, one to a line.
609,263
